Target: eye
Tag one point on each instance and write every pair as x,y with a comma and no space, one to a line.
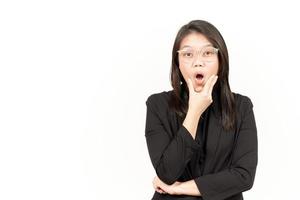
208,53
188,54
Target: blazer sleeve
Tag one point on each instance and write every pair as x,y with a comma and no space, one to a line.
169,154
240,175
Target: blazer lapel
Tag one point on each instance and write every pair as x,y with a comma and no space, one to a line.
214,131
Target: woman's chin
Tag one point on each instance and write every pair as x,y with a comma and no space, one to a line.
198,88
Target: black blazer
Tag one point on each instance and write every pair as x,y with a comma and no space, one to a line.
230,156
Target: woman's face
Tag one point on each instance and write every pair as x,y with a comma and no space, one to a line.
198,59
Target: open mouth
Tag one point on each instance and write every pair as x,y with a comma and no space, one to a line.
199,76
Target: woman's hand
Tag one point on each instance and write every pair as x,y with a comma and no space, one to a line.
199,101
163,188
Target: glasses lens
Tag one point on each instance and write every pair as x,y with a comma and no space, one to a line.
207,54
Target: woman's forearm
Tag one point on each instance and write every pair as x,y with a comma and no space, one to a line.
188,188
177,188
191,121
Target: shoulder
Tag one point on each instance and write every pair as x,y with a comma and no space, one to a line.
159,99
243,103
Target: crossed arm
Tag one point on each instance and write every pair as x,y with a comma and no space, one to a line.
177,188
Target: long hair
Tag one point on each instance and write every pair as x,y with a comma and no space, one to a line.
221,88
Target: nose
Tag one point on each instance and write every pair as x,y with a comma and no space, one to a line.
198,62
198,65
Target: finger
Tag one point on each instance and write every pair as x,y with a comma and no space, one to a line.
212,84
190,85
159,190
208,84
156,183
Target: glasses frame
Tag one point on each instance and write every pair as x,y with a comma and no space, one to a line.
199,51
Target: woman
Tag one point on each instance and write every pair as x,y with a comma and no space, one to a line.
201,137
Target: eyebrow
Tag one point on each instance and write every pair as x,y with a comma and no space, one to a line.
191,46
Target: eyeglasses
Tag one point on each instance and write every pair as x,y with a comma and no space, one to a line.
208,54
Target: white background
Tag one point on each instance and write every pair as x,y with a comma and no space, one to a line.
75,75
